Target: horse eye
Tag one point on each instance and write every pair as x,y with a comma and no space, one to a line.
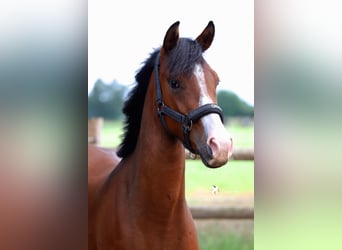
175,84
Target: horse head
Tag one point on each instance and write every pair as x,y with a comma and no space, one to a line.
186,96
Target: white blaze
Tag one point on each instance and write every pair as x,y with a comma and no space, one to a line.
199,73
211,122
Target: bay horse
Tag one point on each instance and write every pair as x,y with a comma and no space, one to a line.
139,202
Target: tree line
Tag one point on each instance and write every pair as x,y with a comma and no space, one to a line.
106,100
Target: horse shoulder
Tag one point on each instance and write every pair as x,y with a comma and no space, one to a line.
101,162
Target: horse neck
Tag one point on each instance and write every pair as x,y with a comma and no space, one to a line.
159,161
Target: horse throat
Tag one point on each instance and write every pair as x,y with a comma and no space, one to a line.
160,164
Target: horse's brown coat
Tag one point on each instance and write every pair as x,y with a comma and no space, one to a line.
139,202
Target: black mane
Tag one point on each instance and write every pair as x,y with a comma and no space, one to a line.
134,105
181,60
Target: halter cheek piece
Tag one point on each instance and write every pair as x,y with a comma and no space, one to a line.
185,120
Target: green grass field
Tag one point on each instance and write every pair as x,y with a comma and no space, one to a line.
233,179
214,238
111,133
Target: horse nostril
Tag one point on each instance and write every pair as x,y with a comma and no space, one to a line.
212,142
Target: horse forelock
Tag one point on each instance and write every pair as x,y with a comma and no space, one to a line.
183,58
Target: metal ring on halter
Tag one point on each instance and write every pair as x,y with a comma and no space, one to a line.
160,108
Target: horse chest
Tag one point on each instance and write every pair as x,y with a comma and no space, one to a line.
143,232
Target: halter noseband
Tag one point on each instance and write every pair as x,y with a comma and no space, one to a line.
185,120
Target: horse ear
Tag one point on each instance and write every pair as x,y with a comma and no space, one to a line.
171,37
207,36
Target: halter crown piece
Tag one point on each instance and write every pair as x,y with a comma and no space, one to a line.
185,120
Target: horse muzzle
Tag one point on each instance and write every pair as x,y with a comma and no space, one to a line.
218,146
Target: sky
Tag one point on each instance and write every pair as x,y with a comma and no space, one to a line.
122,35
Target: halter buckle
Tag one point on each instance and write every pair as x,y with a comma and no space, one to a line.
160,108
187,124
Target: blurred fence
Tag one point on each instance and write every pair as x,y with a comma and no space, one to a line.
198,212
215,212
94,137
94,130
239,154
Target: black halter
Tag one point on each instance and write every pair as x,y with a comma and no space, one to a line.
185,120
